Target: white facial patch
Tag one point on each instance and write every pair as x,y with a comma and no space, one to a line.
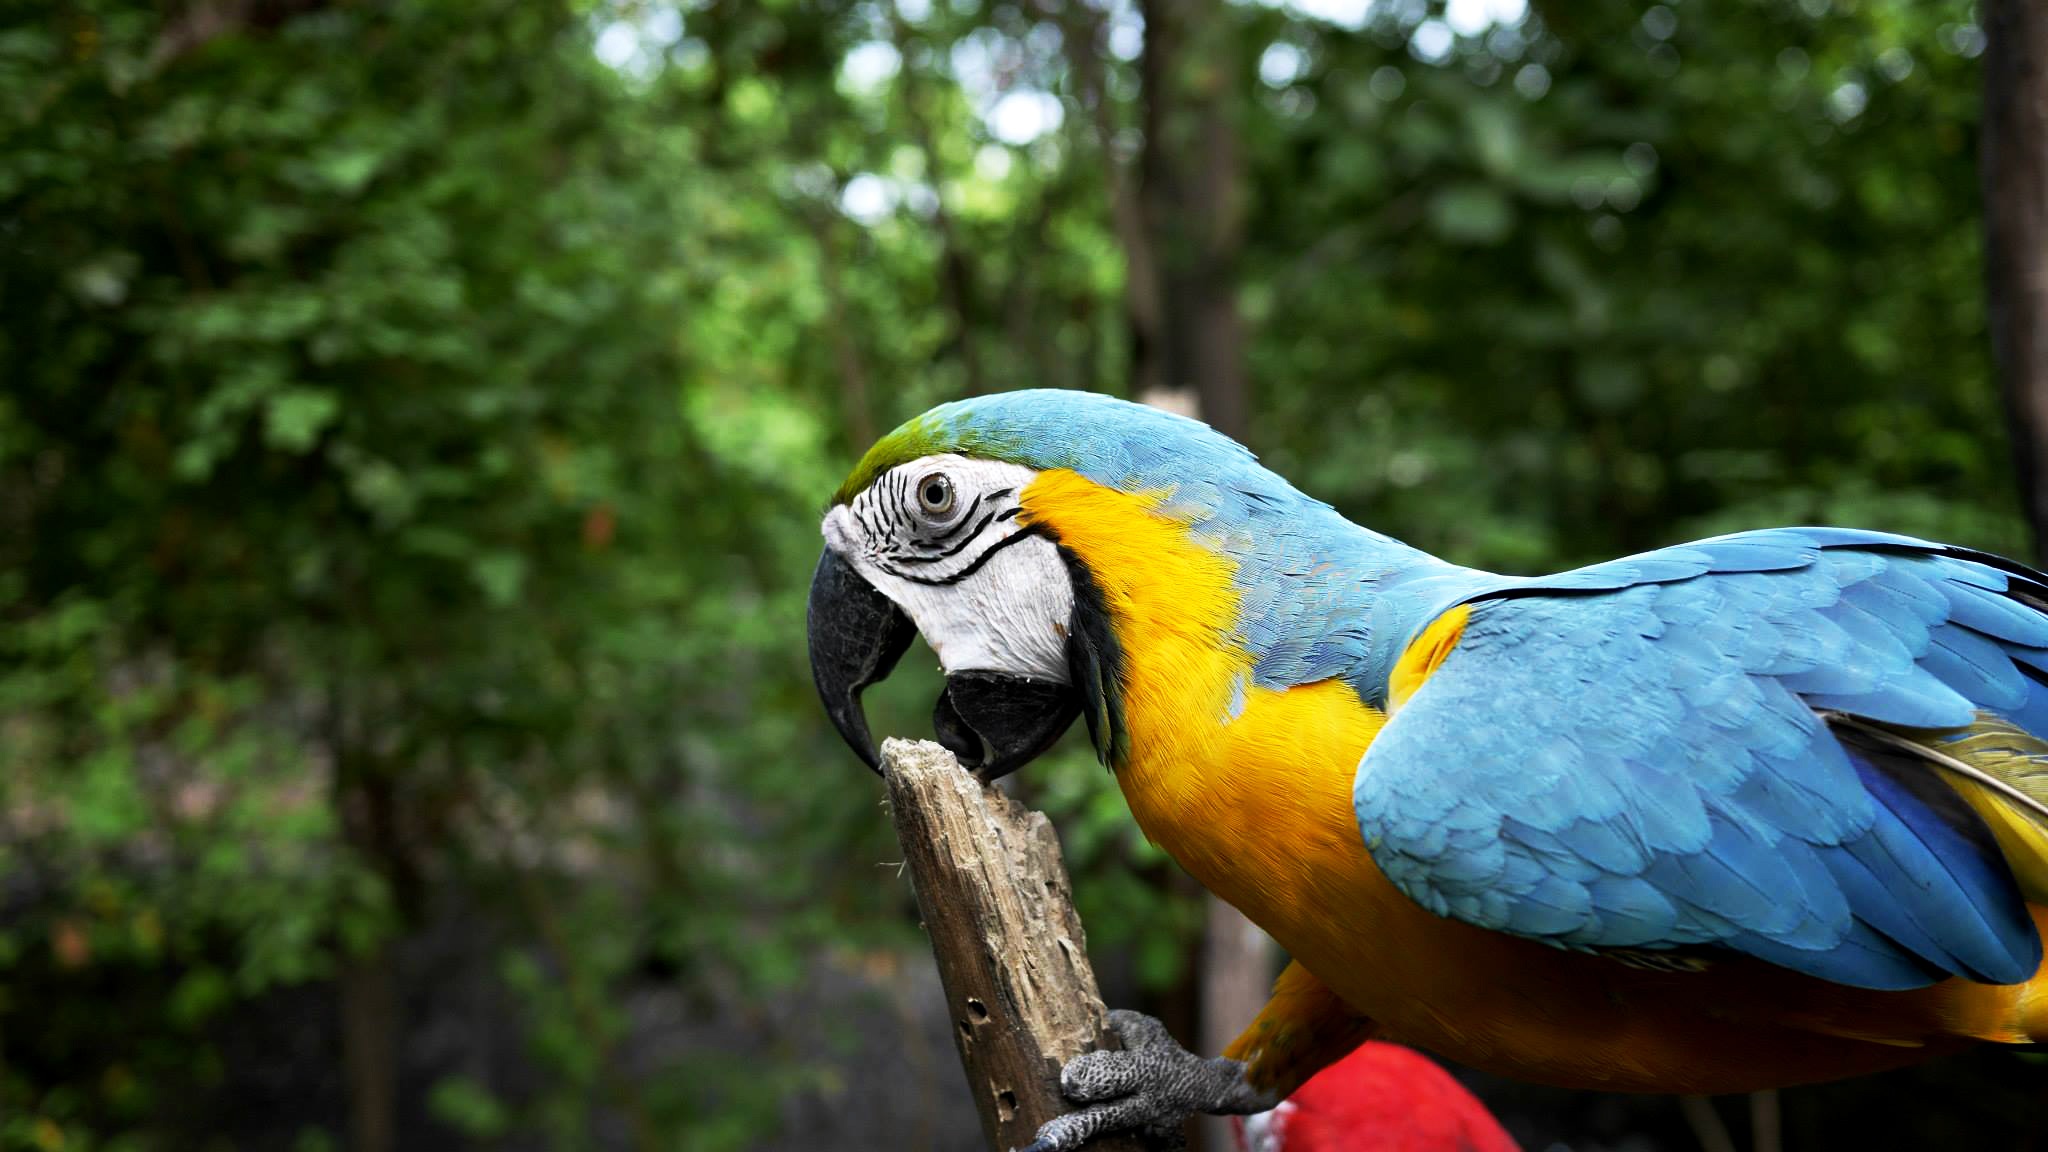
940,537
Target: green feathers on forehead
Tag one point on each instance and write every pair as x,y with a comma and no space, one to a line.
941,430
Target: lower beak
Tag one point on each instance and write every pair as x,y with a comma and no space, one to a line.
994,722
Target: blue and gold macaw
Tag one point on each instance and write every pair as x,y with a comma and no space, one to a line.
1753,811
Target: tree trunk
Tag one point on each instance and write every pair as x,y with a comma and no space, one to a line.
369,1045
1193,201
1012,958
2015,183
367,985
1082,29
1237,978
1216,341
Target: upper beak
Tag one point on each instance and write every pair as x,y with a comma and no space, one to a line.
857,635
993,722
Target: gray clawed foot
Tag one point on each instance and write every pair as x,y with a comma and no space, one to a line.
1150,1087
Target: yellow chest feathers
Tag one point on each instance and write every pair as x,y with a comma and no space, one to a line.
1249,788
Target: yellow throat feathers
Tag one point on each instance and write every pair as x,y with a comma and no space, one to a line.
1215,764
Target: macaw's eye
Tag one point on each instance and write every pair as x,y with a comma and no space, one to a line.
935,494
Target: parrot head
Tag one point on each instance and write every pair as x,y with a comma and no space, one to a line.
937,544
934,533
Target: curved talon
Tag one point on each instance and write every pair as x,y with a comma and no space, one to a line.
1152,1085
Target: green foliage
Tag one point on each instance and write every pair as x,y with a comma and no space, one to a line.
355,525
416,417
1630,276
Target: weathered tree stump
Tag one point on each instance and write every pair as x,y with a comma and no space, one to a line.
1013,960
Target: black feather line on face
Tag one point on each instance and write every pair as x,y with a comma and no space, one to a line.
1095,661
865,512
885,501
976,566
924,536
956,549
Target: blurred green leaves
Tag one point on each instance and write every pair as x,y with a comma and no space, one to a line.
394,453
1472,213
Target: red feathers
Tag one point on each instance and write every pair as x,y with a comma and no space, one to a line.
1381,1098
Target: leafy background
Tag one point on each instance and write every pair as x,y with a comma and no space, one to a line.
416,416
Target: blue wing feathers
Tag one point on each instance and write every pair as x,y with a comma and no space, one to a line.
1637,756
1862,958
1910,701
1886,641
1630,911
1976,668
1992,614
2031,713
1884,922
1730,879
1984,903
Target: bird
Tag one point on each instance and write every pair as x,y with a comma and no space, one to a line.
1380,1098
1747,812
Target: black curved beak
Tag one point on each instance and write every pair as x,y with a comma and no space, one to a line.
993,722
856,635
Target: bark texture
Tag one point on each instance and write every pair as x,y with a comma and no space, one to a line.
994,897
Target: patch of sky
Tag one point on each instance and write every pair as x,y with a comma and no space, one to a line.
1282,64
1126,29
1476,17
992,71
1848,100
1023,115
1432,42
868,65
868,199
1351,14
635,40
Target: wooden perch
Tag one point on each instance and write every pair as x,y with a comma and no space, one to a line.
996,903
